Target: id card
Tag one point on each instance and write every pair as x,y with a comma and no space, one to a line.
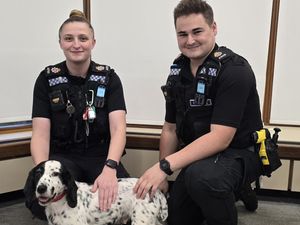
100,91
201,88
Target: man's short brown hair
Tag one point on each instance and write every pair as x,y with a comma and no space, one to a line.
187,7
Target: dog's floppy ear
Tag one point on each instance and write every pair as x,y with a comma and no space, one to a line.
30,186
69,181
29,189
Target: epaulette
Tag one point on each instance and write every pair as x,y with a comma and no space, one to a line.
179,59
96,68
222,54
56,75
54,70
100,73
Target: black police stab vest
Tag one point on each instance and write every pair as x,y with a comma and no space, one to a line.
193,114
69,103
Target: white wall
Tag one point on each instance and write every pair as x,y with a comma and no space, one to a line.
29,42
286,92
137,38
244,26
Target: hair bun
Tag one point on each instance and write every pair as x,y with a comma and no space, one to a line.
76,13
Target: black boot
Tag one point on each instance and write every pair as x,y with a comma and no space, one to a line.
248,196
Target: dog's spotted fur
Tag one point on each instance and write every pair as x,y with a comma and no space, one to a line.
72,203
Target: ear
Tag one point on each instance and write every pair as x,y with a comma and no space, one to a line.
215,28
29,189
59,42
94,42
69,181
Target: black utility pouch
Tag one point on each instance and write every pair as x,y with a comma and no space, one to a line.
273,156
57,100
267,149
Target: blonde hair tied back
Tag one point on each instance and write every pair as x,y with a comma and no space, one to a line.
76,13
76,16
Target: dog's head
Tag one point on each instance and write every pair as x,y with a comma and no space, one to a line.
49,181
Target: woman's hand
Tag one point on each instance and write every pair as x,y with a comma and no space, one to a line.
107,185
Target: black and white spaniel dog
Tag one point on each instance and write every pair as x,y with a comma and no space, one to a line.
68,202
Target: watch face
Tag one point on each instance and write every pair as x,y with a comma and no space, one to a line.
165,166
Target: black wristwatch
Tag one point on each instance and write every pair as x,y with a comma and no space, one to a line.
164,165
111,163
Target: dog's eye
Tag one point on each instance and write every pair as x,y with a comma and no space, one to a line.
55,174
38,173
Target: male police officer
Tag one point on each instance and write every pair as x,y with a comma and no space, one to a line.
212,107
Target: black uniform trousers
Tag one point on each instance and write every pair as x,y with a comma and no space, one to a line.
83,169
205,190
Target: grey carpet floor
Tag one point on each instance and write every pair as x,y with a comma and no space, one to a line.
268,213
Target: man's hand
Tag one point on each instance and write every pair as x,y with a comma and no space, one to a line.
150,181
107,185
164,186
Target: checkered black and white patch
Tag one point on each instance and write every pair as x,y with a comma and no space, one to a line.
174,71
212,72
57,80
98,78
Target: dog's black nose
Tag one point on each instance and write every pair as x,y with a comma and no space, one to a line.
42,188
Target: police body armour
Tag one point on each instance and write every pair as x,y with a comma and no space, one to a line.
75,107
206,75
190,122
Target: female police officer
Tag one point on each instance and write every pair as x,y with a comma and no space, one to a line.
212,108
79,113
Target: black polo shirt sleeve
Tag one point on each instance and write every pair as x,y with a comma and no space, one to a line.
233,96
115,94
170,115
41,106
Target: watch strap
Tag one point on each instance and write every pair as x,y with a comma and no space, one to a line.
111,163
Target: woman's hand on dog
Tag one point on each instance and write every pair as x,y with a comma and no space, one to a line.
107,186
